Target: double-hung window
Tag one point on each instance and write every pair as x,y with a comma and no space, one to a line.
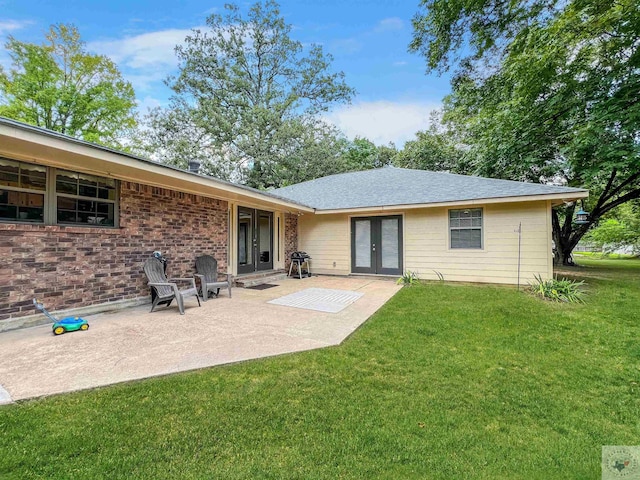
465,228
36,194
22,191
85,199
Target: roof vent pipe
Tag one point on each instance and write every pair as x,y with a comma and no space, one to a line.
194,166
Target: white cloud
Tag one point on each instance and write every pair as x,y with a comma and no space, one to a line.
399,64
144,50
389,24
346,46
383,121
145,59
148,103
7,26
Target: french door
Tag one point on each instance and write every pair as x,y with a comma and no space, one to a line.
376,245
255,240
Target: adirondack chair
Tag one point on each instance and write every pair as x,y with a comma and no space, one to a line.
165,290
207,268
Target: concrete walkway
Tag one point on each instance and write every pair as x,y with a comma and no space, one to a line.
133,344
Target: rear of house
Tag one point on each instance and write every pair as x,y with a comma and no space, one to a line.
390,220
78,220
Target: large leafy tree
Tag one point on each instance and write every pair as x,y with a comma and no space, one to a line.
248,88
546,91
172,136
60,86
620,230
363,154
315,151
432,150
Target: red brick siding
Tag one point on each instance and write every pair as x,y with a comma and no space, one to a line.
78,266
290,237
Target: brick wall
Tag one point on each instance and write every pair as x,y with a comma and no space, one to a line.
78,266
290,237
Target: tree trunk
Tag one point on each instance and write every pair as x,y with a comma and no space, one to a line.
567,236
562,256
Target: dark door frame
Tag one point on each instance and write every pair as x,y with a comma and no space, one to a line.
261,257
375,246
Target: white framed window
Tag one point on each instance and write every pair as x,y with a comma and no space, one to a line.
36,194
465,228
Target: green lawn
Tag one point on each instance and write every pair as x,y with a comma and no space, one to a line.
446,381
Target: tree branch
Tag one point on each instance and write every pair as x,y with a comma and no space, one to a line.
632,195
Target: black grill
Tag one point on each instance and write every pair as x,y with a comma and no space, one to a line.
300,256
300,259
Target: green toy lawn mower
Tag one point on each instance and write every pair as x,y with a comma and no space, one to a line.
67,324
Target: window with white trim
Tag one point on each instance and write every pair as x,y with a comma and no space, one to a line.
465,228
36,194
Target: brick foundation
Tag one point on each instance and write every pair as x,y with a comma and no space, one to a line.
70,267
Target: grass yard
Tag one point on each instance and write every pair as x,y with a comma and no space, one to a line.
446,381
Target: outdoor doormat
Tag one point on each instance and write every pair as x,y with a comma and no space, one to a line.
319,299
263,286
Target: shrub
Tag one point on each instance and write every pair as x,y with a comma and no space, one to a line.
408,278
563,290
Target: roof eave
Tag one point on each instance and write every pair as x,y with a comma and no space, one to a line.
555,198
24,142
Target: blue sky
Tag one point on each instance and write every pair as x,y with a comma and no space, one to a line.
368,39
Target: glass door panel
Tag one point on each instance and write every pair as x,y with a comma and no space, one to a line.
363,244
246,262
265,247
255,240
389,243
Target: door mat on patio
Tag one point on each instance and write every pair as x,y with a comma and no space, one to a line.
262,286
319,299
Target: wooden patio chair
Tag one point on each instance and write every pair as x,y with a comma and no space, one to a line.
165,290
207,268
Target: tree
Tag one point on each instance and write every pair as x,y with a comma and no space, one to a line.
386,154
172,137
549,91
432,150
619,231
248,87
363,154
315,151
59,86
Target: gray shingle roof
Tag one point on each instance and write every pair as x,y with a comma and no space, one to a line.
400,186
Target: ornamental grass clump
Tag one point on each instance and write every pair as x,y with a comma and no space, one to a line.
558,290
408,278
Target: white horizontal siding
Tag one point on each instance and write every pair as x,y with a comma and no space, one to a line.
327,240
426,244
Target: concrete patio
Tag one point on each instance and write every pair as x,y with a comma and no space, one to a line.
133,343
